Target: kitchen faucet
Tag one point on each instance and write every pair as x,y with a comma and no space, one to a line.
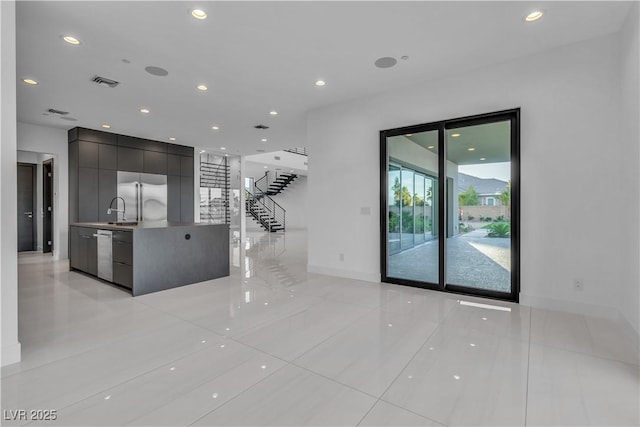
124,208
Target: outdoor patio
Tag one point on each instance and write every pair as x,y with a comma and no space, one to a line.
474,260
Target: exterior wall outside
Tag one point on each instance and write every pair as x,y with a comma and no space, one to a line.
478,212
570,103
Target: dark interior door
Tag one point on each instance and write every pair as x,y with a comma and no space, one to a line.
47,206
26,220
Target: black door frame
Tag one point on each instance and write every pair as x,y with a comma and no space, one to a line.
47,201
34,190
513,115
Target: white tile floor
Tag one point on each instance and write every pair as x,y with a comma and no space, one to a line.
275,345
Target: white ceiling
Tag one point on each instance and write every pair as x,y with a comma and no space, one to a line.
258,56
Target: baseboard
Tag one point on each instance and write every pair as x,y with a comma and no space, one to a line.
11,354
630,331
577,307
347,274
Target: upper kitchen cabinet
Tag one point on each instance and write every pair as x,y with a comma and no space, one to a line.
88,154
154,162
186,166
130,159
173,164
108,157
95,157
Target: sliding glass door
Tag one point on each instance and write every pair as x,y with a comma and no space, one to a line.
459,176
412,236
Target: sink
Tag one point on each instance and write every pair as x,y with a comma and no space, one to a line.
123,223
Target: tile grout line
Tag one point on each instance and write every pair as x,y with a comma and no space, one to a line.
405,367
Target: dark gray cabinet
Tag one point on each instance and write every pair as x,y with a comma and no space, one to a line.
186,198
88,154
186,166
173,164
173,198
108,156
95,157
88,189
154,162
130,159
107,190
122,252
84,250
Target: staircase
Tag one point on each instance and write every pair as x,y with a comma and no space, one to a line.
269,214
280,183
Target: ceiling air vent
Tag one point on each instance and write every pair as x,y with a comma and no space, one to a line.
103,81
261,127
59,112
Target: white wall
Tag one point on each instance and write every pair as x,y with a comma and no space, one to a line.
572,188
8,189
52,141
293,198
630,133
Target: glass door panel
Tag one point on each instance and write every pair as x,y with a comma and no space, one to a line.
406,200
393,209
411,232
478,246
418,208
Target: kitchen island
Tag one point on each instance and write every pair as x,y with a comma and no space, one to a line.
150,256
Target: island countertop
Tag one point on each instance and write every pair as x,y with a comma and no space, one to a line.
141,225
150,256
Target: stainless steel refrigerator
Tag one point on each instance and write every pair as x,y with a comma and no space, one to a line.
144,194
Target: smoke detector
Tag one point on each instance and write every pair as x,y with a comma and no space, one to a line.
103,81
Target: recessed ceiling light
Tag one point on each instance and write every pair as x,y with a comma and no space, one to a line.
106,126
455,135
202,87
534,16
265,167
223,148
172,139
483,158
71,40
30,81
199,14
144,111
202,151
264,140
214,127
226,155
430,147
273,112
320,83
471,149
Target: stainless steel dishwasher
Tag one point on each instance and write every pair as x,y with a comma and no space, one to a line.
105,255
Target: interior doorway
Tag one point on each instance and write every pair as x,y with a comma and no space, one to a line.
27,233
47,206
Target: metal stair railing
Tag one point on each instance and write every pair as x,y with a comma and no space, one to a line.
265,210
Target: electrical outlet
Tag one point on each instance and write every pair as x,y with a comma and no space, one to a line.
341,257
578,284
